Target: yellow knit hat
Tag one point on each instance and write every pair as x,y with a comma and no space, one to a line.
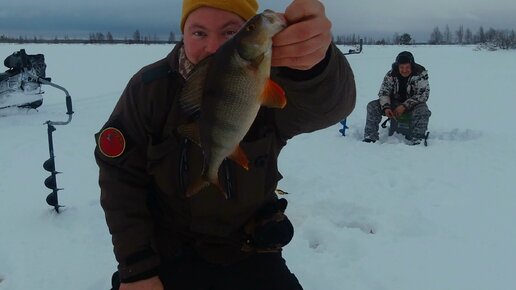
243,8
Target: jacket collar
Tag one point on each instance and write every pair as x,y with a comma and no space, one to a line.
177,60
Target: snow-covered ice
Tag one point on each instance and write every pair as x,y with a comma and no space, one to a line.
442,216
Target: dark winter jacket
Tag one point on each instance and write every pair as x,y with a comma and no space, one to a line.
142,190
418,88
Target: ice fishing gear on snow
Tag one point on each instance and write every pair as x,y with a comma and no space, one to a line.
19,87
344,127
28,71
401,125
355,50
49,165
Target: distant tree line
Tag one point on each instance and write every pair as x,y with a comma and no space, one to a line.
492,38
352,39
95,38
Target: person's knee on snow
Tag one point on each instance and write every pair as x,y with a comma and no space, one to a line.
419,117
374,117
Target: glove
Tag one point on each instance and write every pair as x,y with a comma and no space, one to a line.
270,229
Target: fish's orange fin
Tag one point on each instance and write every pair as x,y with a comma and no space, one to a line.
197,187
221,190
273,95
201,184
190,131
240,158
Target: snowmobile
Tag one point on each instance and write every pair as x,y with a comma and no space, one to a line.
19,85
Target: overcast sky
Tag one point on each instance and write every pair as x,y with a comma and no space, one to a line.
366,17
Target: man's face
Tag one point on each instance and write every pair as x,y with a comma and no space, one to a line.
206,29
405,69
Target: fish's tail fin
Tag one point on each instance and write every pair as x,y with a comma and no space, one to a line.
197,186
200,184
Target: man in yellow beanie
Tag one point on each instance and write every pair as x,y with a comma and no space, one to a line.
166,241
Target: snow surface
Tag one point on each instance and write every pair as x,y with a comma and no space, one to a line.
442,216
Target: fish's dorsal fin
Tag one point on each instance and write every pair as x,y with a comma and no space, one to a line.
191,131
273,95
240,158
190,97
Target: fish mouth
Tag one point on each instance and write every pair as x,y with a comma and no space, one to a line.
275,18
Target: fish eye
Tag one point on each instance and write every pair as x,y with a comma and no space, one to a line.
251,27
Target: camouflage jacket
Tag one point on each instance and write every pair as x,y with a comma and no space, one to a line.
418,89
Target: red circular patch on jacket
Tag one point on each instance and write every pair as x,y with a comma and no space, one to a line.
111,142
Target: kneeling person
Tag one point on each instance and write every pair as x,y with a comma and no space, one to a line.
405,90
